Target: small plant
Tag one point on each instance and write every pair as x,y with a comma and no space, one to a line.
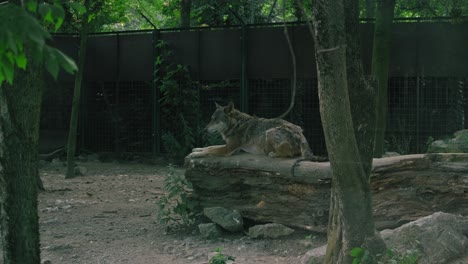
363,256
220,258
174,207
180,104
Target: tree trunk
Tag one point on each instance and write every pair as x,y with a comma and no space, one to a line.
370,8
185,7
350,222
380,67
298,10
71,145
19,132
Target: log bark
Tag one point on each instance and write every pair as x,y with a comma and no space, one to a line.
404,188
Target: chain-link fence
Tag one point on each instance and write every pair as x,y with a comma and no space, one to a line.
120,111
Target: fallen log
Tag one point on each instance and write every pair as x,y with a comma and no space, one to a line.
404,188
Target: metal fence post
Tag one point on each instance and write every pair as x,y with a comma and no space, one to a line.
156,114
244,103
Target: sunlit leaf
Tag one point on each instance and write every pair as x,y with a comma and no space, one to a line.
59,23
48,17
79,8
8,71
356,252
44,11
58,15
91,17
2,78
31,6
21,61
67,63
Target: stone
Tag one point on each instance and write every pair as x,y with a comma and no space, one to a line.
458,144
270,231
439,238
80,171
314,256
230,220
210,230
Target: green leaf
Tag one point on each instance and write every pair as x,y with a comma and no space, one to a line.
67,63
91,17
2,78
21,61
79,8
31,6
48,17
8,71
356,252
46,12
58,15
59,23
52,65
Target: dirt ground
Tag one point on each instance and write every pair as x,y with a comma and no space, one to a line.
109,216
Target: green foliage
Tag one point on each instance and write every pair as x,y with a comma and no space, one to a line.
20,31
174,207
220,258
363,256
431,8
180,105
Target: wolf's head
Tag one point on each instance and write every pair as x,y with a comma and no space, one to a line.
220,119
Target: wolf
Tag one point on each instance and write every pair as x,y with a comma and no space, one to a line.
273,137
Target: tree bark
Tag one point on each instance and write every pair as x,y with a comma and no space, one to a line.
370,9
71,145
380,68
340,85
19,132
185,7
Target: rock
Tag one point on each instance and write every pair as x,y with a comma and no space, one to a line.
56,162
80,171
458,144
210,230
440,237
314,256
230,220
270,231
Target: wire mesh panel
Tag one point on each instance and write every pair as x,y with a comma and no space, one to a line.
101,118
312,124
119,117
421,109
135,117
221,92
55,116
268,98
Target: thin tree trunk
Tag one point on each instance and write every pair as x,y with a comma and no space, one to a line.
297,10
348,142
186,6
19,132
71,145
370,8
380,68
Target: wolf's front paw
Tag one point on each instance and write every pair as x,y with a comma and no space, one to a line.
195,155
197,149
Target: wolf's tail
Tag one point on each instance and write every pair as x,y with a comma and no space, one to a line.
307,155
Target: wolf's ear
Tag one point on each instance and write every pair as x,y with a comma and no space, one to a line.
217,105
229,107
